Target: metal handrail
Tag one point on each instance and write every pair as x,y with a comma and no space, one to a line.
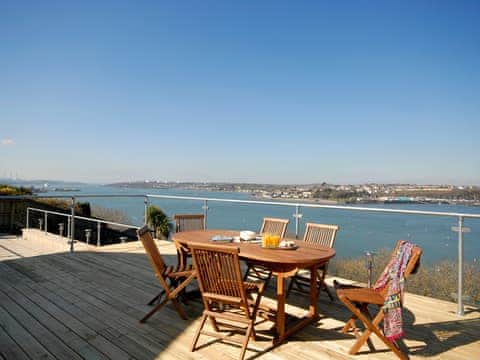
49,212
107,222
71,224
460,217
339,207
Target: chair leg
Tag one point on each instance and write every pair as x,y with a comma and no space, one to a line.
290,286
327,290
364,310
214,324
197,333
350,324
151,302
153,311
179,309
371,326
255,273
267,280
245,341
249,267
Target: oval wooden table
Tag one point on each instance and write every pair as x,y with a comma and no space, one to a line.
283,263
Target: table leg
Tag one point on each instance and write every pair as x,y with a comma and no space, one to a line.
280,306
282,332
313,308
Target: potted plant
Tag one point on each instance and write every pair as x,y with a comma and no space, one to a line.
159,222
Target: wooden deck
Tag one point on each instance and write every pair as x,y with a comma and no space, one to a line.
54,304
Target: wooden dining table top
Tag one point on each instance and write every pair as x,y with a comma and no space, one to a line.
304,256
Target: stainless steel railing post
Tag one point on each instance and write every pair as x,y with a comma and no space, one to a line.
205,213
60,229
99,228
88,235
46,222
145,201
460,267
369,265
28,218
72,225
297,217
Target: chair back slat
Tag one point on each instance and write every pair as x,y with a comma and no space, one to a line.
320,234
413,262
154,256
189,222
274,226
218,272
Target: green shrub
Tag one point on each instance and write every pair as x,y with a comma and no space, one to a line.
13,190
158,221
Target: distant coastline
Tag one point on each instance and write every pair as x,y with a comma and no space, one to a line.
331,194
299,200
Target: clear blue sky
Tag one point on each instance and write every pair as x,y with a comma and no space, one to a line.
256,91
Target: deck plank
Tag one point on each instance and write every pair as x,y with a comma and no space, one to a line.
37,330
9,349
11,329
90,300
59,312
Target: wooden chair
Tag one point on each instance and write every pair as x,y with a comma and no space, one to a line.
357,299
225,296
172,279
187,222
272,226
318,234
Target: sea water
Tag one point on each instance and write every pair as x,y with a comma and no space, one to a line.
359,230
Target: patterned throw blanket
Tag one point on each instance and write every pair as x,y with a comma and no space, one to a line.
393,275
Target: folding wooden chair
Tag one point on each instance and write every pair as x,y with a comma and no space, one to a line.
271,226
357,300
225,296
172,279
187,222
319,234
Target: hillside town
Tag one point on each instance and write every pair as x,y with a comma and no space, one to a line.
324,192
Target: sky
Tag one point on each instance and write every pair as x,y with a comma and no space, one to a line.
244,91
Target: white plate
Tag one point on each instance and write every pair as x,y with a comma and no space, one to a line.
221,238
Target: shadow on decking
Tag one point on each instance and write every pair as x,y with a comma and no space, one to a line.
436,338
88,305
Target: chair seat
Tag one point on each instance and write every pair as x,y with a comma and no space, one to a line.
250,287
362,295
177,271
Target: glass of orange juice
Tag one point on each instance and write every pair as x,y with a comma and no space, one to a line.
266,240
275,239
270,241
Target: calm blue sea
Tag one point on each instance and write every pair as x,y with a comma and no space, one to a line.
359,231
